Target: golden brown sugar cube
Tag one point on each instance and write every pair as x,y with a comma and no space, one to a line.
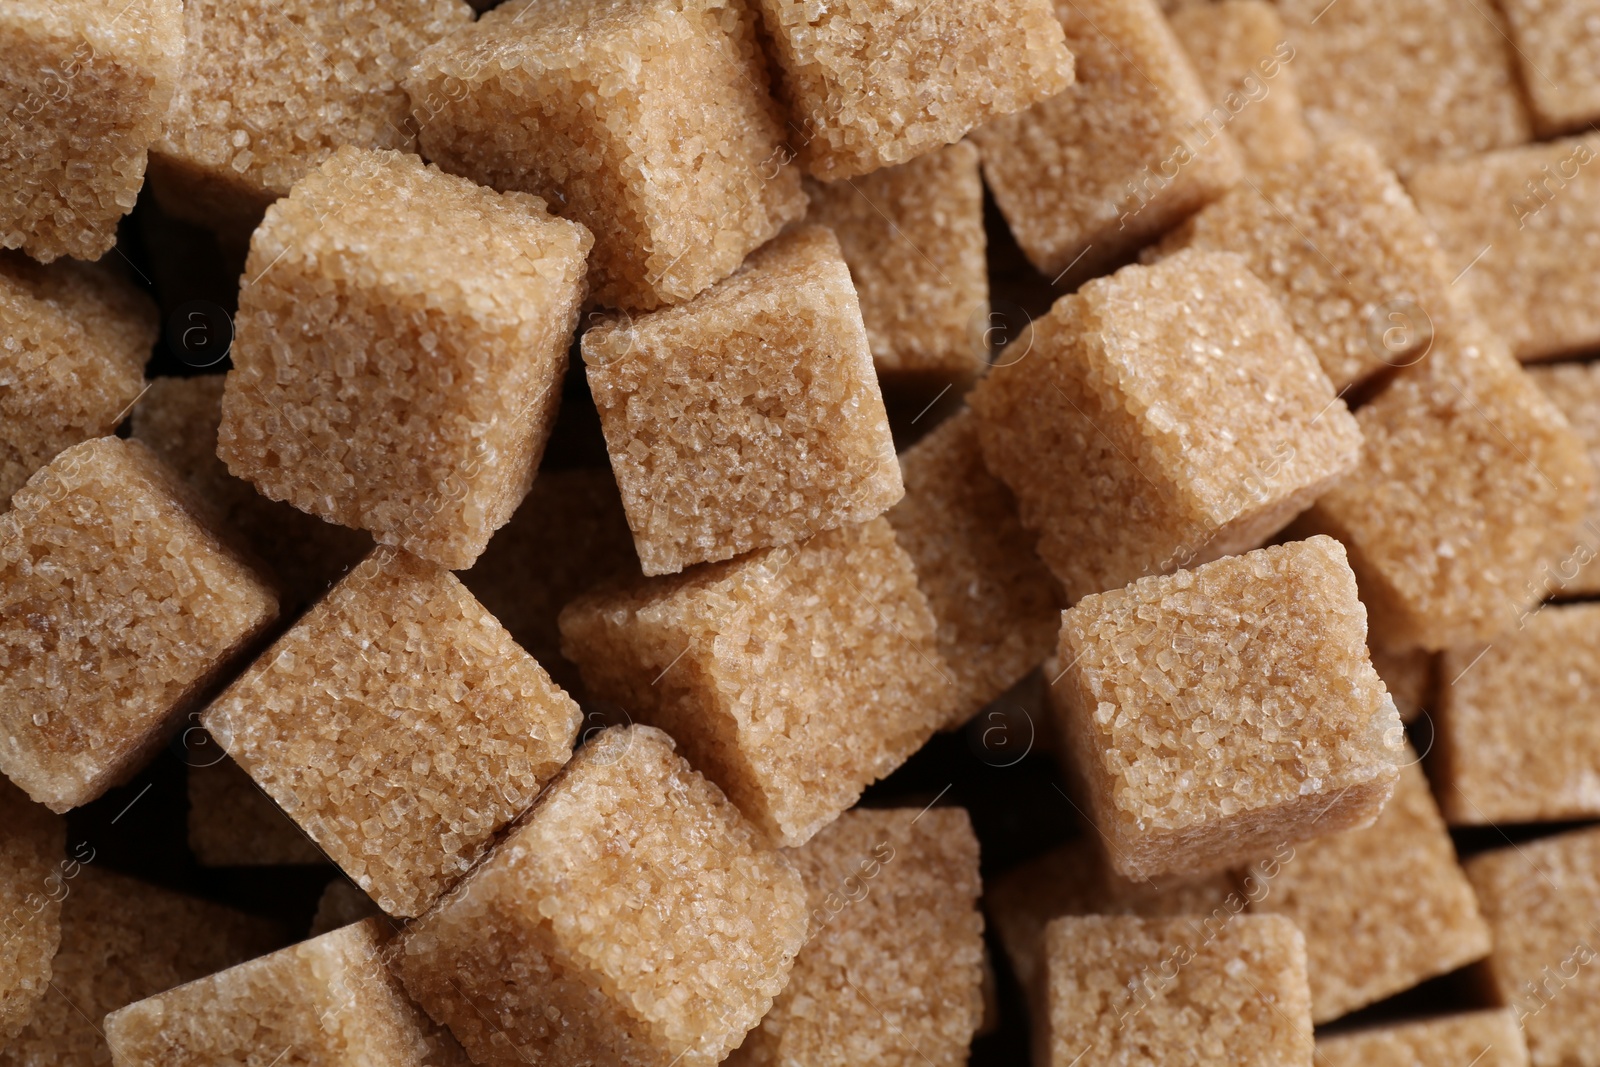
893,971
1517,741
749,417
340,905
328,1000
1246,65
123,940
1574,388
232,823
1339,242
118,605
793,677
1424,80
1163,416
404,394
255,112
1214,714
1521,227
1469,483
1383,908
870,86
589,105
1121,990
85,87
1409,675
1129,150
633,917
1488,1038
1558,54
33,865
996,606
400,726
913,238
1541,899
76,339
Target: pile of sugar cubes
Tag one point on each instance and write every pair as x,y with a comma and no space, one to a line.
652,533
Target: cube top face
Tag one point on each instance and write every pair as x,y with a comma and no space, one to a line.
875,86
1483,1038
32,851
87,85
1124,990
400,726
92,673
1558,57
749,417
1228,709
602,94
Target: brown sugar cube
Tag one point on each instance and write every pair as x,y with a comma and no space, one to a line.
340,905
1574,388
590,105
1469,483
1337,239
400,726
872,86
1558,53
123,940
72,362
1424,80
256,112
1541,899
403,394
1216,713
1383,908
1163,416
764,669
1522,228
85,87
996,606
1516,738
893,971
1409,675
177,419
750,416
632,917
1129,150
232,823
118,605
913,238
1481,1038
1119,990
33,866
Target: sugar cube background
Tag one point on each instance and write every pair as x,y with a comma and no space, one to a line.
33,862
1487,1038
1574,388
1557,55
232,823
341,904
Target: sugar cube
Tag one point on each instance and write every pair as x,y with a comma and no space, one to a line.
632,917
232,823
792,677
748,417
1409,675
1216,713
1574,388
317,722
1488,1038
1163,416
407,395
1558,55
118,605
33,864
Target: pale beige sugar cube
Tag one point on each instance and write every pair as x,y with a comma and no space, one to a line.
748,417
793,677
406,394
75,341
1488,1038
317,722
913,238
232,823
85,85
632,917
876,85
649,121
33,866
1526,221
892,974
1216,713
1089,175
270,88
1516,738
119,604
1382,908
1409,677
1574,388
1558,54
1162,416
1122,990
1425,80
1541,899
996,605
341,904
1470,482
1246,64
1337,239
